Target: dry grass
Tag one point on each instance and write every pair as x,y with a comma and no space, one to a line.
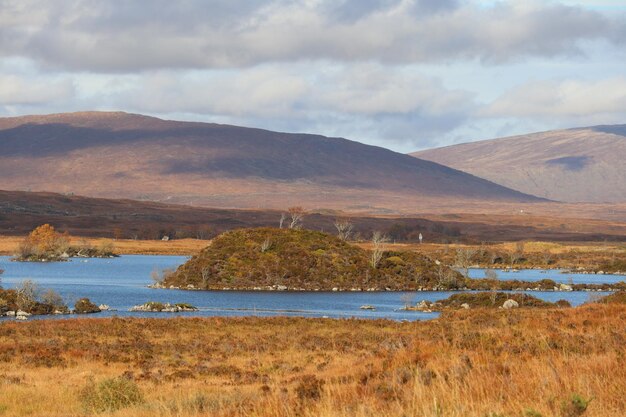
535,254
471,363
10,244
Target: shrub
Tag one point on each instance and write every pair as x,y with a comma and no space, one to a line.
576,406
110,394
309,388
85,306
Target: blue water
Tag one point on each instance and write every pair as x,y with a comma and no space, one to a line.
122,283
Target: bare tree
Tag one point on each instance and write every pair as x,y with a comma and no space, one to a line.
463,260
379,241
206,275
344,228
283,217
516,254
407,299
447,278
296,214
27,294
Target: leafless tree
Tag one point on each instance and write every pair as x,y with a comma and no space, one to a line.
344,228
447,278
463,260
27,294
283,217
379,241
517,253
296,214
206,275
407,299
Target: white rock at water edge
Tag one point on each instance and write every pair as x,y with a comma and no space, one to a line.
509,304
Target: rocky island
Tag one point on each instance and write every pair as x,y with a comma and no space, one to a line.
290,259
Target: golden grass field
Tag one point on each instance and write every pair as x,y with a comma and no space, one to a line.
560,254
476,363
10,244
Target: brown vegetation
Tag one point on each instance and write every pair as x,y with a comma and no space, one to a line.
45,244
271,258
20,212
474,363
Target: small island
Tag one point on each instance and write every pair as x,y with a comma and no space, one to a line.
45,244
490,300
305,260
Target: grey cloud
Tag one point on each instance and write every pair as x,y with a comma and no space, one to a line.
121,36
362,102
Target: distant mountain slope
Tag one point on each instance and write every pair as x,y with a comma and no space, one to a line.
586,164
21,212
132,156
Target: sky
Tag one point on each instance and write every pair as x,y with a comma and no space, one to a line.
402,74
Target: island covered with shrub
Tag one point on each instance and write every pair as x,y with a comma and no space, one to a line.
46,244
292,259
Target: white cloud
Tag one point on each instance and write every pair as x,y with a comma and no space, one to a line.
574,101
16,90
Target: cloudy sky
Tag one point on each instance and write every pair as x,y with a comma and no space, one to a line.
404,74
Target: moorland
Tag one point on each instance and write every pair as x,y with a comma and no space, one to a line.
469,363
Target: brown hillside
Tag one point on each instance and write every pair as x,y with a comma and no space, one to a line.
124,155
585,164
20,212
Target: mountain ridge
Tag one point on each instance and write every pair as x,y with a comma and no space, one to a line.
571,165
123,155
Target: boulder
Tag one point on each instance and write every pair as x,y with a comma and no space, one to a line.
509,304
465,306
85,306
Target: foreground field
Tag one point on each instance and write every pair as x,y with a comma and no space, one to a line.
567,362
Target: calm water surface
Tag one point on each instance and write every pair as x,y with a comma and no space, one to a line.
122,283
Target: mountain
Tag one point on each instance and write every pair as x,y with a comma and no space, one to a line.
573,165
120,155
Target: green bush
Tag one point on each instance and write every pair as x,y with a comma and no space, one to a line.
110,394
575,407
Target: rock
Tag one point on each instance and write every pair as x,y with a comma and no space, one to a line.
156,307
335,289
368,307
281,287
565,287
21,318
10,313
21,313
85,306
104,307
465,306
509,304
